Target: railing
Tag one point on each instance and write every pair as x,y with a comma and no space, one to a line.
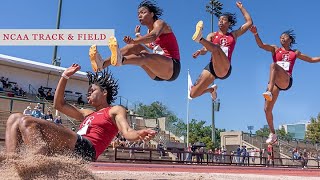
184,157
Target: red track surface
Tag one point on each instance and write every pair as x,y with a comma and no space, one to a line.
205,169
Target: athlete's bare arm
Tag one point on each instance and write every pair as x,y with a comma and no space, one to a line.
158,27
244,28
120,116
307,58
60,104
267,47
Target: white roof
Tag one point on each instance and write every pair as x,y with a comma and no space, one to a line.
38,66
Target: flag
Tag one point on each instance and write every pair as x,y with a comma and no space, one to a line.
189,85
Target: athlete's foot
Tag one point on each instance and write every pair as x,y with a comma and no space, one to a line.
198,34
116,56
272,139
95,58
214,92
267,95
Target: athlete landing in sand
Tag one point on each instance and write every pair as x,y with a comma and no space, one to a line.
98,128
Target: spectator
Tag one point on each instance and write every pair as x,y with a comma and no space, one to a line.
36,112
21,92
48,116
1,86
238,153
58,120
160,149
28,111
305,158
41,92
223,153
6,83
131,151
80,101
15,89
189,154
253,154
49,95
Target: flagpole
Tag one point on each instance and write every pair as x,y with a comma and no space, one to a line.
188,122
188,100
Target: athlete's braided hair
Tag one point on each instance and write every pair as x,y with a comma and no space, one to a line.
231,18
152,7
291,35
106,82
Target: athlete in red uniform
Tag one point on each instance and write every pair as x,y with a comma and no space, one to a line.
98,128
163,63
221,45
280,72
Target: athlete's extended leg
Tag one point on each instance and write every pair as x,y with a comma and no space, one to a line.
268,107
98,64
220,61
277,76
46,137
13,134
154,64
201,85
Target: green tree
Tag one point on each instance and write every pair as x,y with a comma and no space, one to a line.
282,134
198,131
313,130
264,132
157,110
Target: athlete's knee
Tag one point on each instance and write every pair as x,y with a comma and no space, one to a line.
193,93
131,49
26,122
14,118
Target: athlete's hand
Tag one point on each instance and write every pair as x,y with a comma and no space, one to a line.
137,29
239,4
146,134
72,70
128,40
196,54
253,29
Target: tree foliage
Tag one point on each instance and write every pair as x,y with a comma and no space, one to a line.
198,131
157,110
313,130
264,132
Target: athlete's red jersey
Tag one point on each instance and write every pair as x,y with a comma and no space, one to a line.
101,129
226,42
285,59
167,45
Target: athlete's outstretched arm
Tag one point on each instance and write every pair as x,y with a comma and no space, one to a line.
150,37
59,102
307,58
244,28
120,115
138,35
267,47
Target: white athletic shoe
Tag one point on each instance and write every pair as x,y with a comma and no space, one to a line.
95,58
214,92
272,139
198,34
267,95
116,56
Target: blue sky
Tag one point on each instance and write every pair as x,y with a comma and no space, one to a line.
240,95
